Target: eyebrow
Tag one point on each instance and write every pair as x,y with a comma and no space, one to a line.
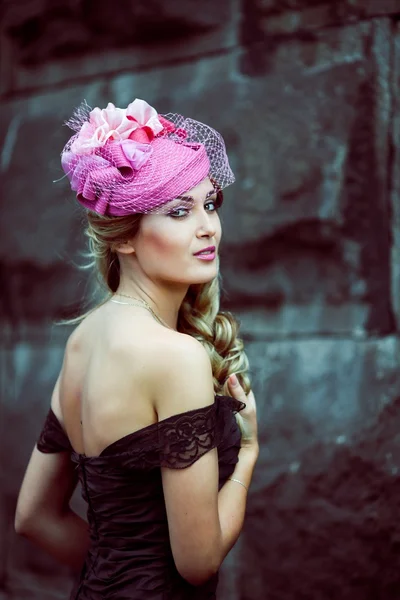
191,199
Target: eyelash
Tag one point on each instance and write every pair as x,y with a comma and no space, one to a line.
217,202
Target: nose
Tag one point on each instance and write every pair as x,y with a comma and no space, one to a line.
208,227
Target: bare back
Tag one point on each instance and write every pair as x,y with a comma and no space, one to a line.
105,384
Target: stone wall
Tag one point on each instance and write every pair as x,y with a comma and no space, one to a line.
306,94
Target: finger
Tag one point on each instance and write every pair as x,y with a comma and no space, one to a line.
236,388
234,383
233,380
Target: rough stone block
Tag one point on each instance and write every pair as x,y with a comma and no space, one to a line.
49,45
322,509
312,160
298,17
395,175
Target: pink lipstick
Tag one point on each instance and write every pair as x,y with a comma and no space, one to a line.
207,253
208,256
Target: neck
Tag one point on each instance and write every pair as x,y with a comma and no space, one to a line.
165,303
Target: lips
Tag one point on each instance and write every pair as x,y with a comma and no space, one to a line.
208,250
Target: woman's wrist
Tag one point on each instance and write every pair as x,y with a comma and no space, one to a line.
249,452
244,468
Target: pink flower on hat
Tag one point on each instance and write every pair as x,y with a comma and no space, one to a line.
139,121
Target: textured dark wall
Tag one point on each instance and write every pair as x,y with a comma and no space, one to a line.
307,96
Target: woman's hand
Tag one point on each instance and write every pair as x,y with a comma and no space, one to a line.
248,415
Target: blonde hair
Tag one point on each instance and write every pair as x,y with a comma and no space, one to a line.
199,314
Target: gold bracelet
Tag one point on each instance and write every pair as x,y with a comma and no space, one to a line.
237,481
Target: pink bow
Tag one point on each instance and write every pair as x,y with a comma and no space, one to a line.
136,153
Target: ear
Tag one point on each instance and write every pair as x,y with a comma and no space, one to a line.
124,247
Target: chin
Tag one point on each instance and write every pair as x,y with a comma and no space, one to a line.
206,277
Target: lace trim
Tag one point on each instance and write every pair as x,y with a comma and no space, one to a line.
184,439
175,442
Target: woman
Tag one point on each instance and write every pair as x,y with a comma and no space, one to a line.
146,409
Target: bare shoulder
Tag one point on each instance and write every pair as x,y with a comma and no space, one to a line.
74,338
183,378
75,350
77,336
181,356
181,344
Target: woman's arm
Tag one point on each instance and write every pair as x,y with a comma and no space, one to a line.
43,514
232,499
231,507
65,537
203,523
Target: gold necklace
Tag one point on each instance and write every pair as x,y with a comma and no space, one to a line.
143,304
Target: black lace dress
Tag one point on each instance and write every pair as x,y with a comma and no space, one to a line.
130,556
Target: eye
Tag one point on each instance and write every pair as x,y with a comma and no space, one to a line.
214,203
217,201
175,216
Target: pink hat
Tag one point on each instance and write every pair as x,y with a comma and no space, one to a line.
127,161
